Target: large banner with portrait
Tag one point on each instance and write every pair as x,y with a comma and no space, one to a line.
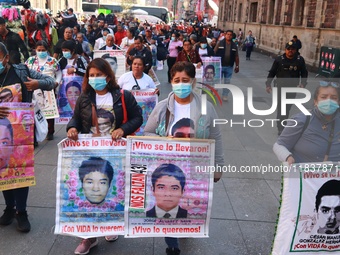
309,218
47,103
16,147
212,70
116,59
90,187
69,91
147,100
168,187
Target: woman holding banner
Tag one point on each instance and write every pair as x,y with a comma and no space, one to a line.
45,64
137,79
181,104
313,138
30,80
100,91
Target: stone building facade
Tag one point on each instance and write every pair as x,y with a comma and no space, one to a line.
274,22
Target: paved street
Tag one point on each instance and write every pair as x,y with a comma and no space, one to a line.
245,205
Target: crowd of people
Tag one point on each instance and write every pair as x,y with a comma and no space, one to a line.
97,104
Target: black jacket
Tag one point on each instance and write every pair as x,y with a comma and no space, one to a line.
146,54
289,72
182,213
13,42
82,117
81,65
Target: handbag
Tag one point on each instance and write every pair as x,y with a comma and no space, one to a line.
40,124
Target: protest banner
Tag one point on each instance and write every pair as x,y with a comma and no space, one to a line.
116,59
47,103
165,194
90,187
16,147
309,216
212,70
69,91
147,100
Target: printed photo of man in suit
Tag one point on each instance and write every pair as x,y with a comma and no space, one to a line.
168,182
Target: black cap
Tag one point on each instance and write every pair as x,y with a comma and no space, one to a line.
290,45
70,9
106,29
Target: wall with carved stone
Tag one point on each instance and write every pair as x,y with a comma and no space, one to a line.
274,22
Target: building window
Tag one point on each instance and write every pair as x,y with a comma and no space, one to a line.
240,13
331,13
253,12
278,12
271,11
264,12
299,12
311,13
225,12
287,19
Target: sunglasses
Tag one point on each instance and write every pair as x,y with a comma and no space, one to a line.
329,83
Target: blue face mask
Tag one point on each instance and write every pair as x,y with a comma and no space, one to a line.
42,54
182,90
67,54
173,38
204,46
104,38
328,106
98,83
2,68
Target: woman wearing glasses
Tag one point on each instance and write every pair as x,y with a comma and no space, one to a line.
313,138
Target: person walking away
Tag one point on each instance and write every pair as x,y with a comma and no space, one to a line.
249,42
